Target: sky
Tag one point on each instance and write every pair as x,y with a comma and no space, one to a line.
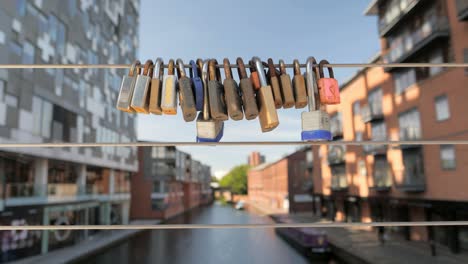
336,30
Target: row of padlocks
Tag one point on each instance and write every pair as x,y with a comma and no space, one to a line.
150,91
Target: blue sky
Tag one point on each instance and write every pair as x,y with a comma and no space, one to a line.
335,29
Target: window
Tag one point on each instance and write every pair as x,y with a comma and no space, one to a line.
309,156
21,7
356,108
2,90
447,157
403,80
16,49
442,108
42,112
57,33
382,172
375,101
64,124
379,131
466,60
410,125
28,54
158,152
436,57
414,167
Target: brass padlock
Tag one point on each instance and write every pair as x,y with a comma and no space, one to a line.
126,88
169,92
156,87
286,87
247,92
208,130
216,92
268,116
186,98
300,94
231,93
140,99
275,84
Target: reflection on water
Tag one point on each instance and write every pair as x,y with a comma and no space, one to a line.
205,246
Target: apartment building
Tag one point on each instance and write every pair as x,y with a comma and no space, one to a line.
284,185
63,186
169,182
255,159
403,182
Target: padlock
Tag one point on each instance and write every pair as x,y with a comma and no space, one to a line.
216,93
126,88
156,87
140,98
169,91
197,85
231,93
275,84
208,130
247,92
329,89
268,116
315,122
300,94
286,87
186,98
254,76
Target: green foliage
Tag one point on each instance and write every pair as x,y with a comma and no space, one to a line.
214,179
236,179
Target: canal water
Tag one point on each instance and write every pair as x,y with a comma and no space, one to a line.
205,246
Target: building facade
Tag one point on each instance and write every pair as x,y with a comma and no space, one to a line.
64,186
169,182
255,159
285,185
403,182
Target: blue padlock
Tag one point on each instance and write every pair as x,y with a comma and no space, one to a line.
208,130
315,122
197,85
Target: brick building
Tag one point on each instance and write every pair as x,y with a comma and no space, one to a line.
284,185
169,182
255,159
406,182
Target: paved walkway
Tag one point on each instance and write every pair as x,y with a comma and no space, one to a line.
364,245
86,248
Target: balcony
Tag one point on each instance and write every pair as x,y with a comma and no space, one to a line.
391,19
382,174
336,154
432,29
339,180
164,172
375,149
462,8
410,133
62,189
414,179
19,190
372,112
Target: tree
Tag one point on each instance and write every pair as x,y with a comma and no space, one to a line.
236,179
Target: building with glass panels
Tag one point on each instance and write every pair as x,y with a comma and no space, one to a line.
64,186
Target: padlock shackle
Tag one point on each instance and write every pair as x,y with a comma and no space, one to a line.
297,67
206,103
271,68
180,68
261,71
241,68
135,67
311,84
194,69
214,72
158,71
330,70
227,68
148,69
170,67
282,66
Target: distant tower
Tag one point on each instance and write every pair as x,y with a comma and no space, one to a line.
255,159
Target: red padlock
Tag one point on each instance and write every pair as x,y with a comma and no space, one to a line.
329,90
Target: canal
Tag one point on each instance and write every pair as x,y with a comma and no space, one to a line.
207,245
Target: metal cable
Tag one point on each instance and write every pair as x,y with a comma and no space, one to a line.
334,65
239,143
232,226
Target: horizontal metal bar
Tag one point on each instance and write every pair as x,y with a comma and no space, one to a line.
334,65
239,143
232,226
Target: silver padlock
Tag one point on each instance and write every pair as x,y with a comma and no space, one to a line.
126,88
208,130
169,91
316,122
140,99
